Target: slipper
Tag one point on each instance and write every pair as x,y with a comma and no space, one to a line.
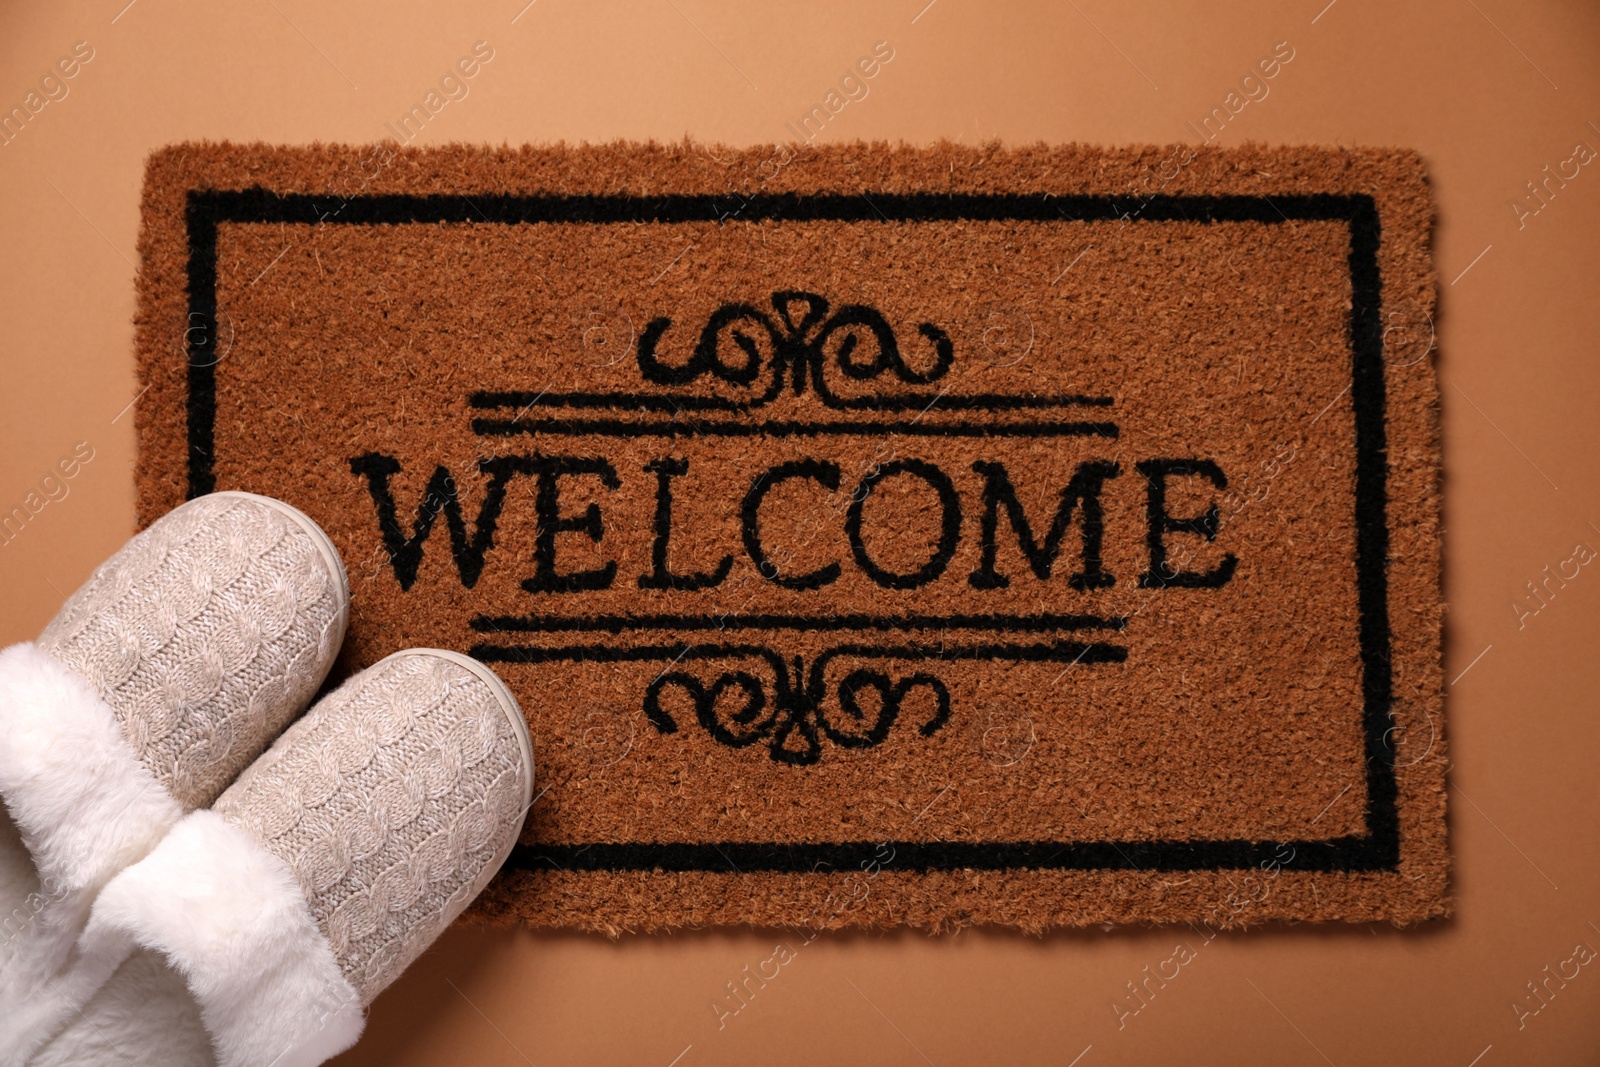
334,861
159,681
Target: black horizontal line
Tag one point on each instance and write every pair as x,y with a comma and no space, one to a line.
728,857
810,623
624,428
1057,652
523,399
265,205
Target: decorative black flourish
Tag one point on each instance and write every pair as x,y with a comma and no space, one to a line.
791,710
740,344
746,356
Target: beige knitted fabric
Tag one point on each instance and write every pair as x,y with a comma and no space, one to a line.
206,634
393,802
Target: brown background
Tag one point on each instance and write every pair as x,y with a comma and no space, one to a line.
1488,91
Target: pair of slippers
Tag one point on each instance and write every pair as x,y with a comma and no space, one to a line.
151,836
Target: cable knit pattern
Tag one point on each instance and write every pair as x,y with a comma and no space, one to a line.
205,635
393,802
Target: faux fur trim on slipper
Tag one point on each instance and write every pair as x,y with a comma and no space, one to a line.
232,920
83,807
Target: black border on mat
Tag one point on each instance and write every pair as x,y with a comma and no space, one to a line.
1377,849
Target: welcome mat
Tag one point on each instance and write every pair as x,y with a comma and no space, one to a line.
871,535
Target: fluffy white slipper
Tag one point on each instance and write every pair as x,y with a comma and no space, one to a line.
332,863
144,1015
158,682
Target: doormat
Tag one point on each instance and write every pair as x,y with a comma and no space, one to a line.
873,536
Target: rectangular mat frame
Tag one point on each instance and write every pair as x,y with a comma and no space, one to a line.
1376,850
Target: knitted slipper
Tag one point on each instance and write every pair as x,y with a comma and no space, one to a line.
332,863
157,683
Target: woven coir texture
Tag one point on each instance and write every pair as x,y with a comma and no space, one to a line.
871,535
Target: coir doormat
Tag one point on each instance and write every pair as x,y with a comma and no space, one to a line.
871,535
